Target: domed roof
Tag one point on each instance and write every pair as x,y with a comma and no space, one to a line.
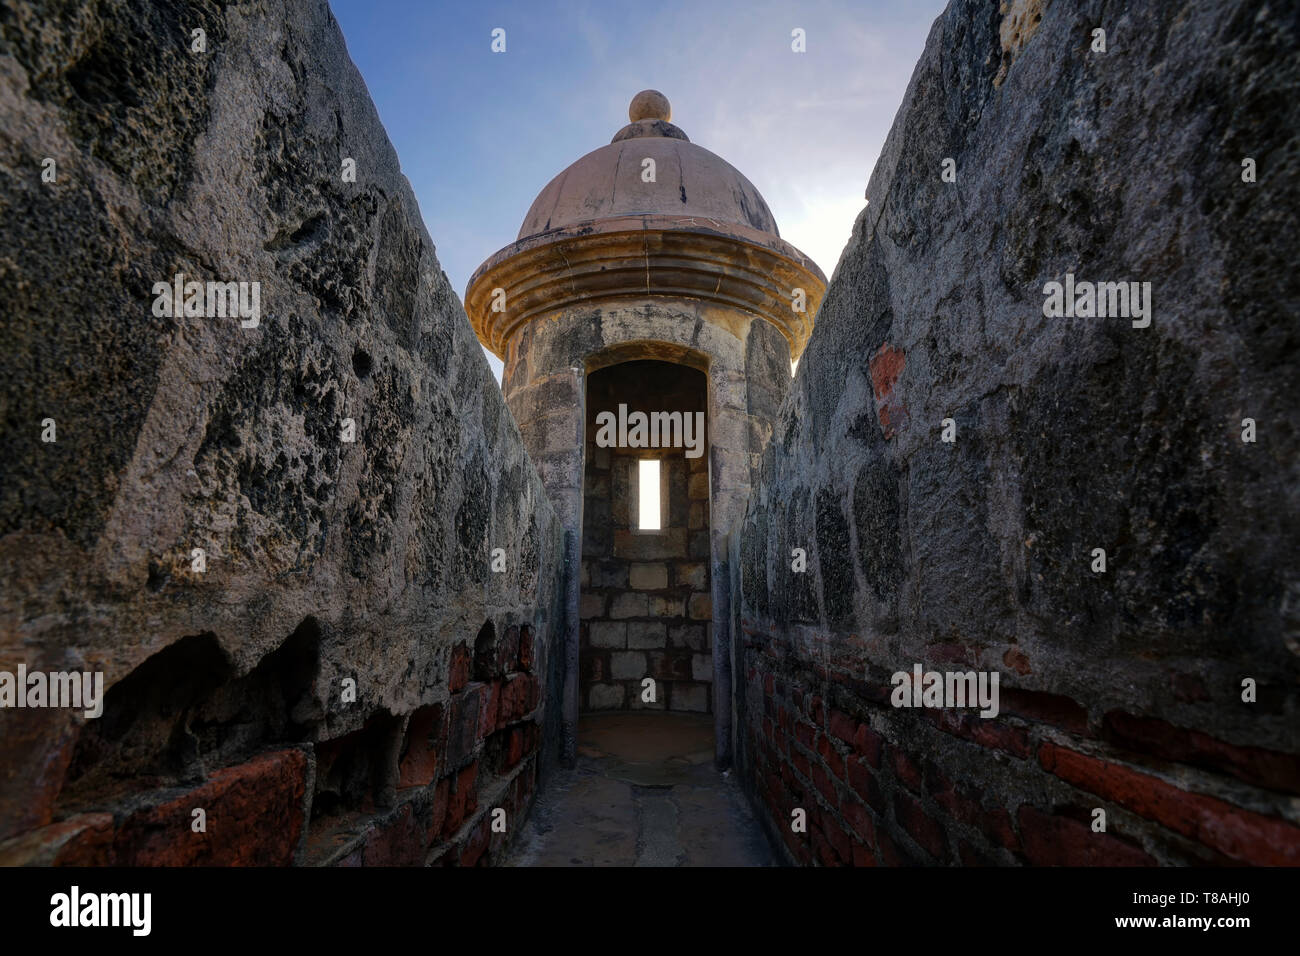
609,182
699,235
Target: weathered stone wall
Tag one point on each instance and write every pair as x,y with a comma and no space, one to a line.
326,560
646,606
1121,690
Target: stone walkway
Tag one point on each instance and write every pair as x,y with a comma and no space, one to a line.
644,793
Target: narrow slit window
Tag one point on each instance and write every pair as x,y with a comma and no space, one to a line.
648,494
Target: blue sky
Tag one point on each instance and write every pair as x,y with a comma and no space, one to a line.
480,133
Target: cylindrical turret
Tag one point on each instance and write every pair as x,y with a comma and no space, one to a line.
648,258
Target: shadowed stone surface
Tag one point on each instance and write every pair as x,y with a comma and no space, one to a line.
325,559
1071,434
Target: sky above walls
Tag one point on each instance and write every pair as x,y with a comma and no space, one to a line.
480,133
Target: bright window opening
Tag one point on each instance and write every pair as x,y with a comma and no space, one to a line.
648,494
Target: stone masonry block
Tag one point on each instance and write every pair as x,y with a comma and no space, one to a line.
648,577
646,635
607,634
627,665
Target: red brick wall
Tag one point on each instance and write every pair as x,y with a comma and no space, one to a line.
887,786
433,779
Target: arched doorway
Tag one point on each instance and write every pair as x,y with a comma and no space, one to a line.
645,608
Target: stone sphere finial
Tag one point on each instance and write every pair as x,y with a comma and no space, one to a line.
650,105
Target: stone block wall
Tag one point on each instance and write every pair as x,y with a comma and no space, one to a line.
1160,691
357,667
645,603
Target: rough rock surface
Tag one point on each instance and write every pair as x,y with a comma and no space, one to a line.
1071,434
325,559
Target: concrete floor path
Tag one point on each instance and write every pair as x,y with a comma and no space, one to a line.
644,793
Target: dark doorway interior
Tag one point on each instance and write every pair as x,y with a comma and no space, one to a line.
645,604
